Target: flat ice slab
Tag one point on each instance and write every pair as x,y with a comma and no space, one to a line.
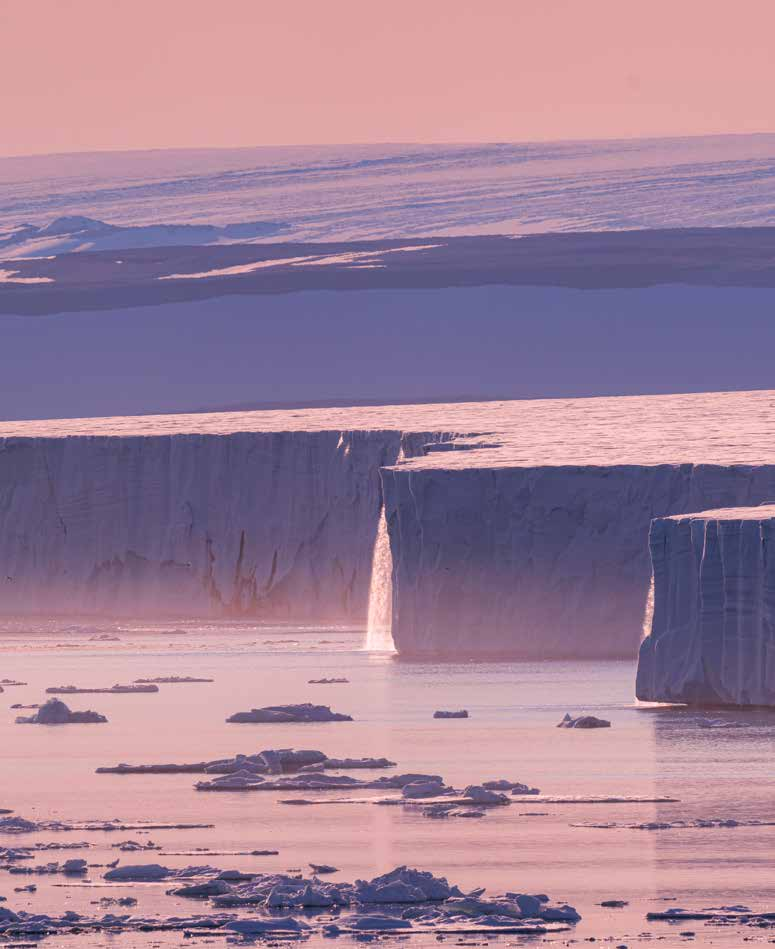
712,639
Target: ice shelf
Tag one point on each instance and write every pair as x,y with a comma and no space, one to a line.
516,528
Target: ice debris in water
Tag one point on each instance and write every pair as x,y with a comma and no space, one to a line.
700,823
514,787
150,872
69,867
278,714
113,690
55,712
461,713
20,825
334,681
583,721
392,901
270,761
303,781
171,680
426,786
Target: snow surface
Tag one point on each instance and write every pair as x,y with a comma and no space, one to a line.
359,191
712,639
76,233
532,545
711,428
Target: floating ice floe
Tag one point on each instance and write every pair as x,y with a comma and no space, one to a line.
271,761
69,867
275,924
171,680
403,900
10,854
113,690
440,810
513,787
461,713
724,914
133,846
700,823
55,712
153,872
356,764
430,786
583,721
479,794
280,714
334,681
16,824
302,781
198,891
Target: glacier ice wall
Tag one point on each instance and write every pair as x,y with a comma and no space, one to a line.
537,562
273,525
712,640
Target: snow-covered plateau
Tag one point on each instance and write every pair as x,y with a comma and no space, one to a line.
516,528
351,192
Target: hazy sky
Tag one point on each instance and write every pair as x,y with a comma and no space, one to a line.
84,74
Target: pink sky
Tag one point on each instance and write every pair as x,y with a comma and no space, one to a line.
94,74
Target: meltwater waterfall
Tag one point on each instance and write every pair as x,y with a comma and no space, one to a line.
379,637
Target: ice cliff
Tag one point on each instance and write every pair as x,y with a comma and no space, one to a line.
277,525
537,562
526,536
712,638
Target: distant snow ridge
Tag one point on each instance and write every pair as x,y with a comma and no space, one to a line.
79,233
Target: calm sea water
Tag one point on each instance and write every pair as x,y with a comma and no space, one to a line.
514,707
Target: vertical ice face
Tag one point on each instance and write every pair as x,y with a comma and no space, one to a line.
276,525
379,637
712,639
505,546
542,562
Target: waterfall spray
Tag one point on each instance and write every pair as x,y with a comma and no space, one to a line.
648,613
379,637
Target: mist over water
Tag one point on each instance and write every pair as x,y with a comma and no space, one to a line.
378,636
